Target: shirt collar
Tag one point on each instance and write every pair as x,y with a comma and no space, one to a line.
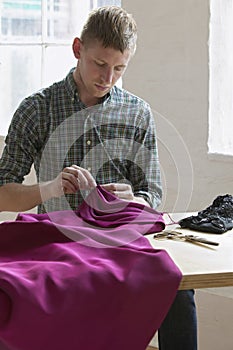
70,83
72,88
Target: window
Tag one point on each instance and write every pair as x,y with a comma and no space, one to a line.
221,77
36,46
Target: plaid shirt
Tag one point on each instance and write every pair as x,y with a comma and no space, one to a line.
115,140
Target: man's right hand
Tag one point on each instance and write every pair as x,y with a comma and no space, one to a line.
72,179
20,197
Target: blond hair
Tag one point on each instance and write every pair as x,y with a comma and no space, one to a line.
112,26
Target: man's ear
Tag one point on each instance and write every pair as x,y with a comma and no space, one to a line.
76,47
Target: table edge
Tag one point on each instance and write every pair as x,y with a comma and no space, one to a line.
212,280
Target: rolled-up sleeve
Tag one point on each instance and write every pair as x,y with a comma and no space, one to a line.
20,145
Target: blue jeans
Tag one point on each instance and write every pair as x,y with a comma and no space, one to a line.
179,329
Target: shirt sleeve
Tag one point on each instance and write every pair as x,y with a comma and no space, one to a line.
21,145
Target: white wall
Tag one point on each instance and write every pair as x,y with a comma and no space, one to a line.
170,71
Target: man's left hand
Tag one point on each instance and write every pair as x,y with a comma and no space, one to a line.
124,191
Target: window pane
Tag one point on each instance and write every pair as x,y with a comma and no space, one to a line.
108,2
58,62
66,18
221,78
20,20
20,72
47,28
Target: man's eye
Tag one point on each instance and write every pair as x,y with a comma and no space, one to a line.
100,64
118,69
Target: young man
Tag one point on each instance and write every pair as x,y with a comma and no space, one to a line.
84,130
107,43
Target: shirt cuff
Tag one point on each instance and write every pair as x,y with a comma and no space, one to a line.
146,196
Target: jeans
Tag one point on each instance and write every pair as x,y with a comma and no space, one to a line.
179,329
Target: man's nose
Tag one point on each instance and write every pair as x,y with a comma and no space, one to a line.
107,75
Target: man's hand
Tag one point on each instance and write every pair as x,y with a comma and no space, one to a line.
125,192
19,197
72,179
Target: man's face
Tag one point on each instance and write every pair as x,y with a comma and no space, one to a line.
100,68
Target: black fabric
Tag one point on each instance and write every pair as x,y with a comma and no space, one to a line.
217,218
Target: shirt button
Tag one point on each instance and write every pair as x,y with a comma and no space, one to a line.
89,169
88,142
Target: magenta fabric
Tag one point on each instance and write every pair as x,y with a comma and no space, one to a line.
84,280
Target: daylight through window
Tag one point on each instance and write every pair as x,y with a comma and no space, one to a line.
36,46
221,77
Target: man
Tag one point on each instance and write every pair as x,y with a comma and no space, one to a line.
84,130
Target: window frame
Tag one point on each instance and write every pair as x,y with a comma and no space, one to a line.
45,43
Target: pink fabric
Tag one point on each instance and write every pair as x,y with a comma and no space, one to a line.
85,280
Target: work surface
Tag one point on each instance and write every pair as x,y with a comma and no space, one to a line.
202,266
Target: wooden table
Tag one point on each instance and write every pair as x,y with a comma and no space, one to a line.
202,266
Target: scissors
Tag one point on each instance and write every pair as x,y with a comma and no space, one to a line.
178,236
